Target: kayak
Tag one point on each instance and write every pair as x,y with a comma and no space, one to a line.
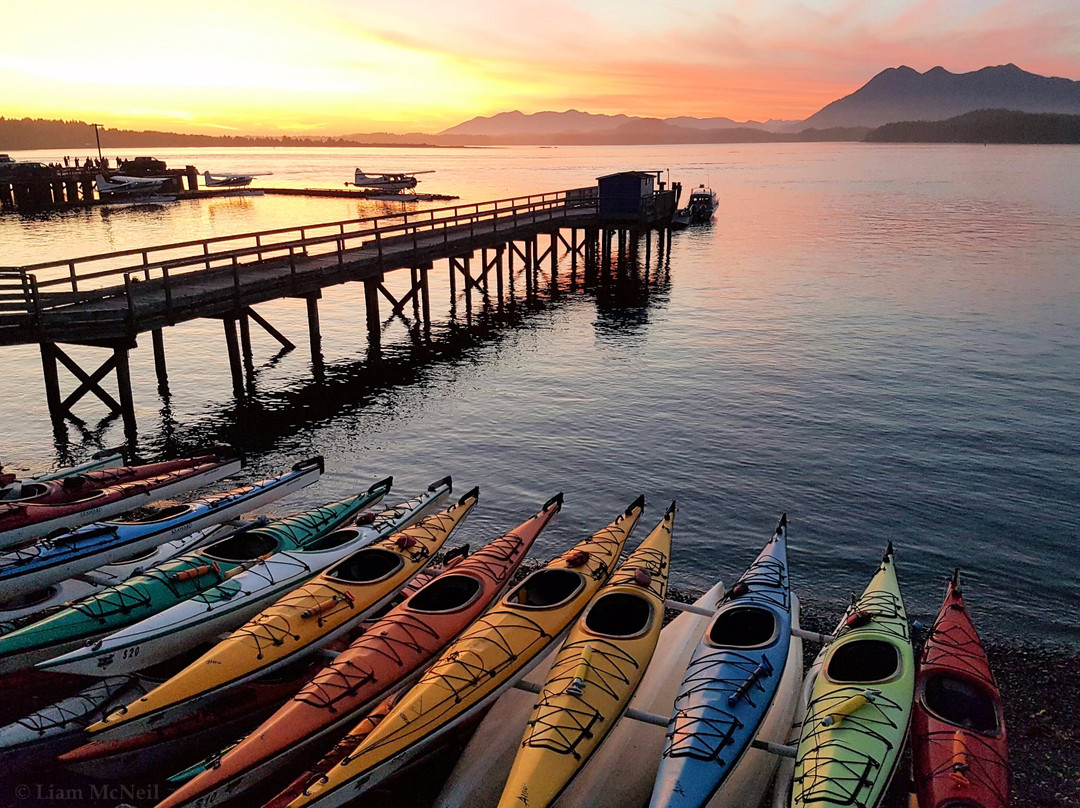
622,771
859,710
732,683
105,459
172,582
959,748
388,654
54,559
311,615
39,604
191,735
37,509
39,737
421,579
492,654
594,675
223,608
368,723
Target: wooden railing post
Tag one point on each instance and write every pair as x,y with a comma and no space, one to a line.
74,280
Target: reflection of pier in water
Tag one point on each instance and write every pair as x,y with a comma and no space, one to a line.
495,252
624,290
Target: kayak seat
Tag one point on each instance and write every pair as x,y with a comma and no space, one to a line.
242,547
619,614
960,703
446,593
332,540
743,627
367,566
863,661
546,588
157,515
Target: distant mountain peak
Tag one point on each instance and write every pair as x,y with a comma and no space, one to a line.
904,94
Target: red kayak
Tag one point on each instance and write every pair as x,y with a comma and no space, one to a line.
32,510
392,651
961,756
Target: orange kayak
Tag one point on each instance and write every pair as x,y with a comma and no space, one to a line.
390,653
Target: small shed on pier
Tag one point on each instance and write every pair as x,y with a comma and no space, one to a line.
623,195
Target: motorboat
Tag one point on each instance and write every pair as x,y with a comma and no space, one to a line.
392,182
702,204
229,180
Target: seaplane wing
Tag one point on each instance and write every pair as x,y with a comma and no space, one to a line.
230,180
118,184
389,181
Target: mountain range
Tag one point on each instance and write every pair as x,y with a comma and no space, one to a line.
895,94
898,94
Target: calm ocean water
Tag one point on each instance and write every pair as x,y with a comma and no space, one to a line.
883,341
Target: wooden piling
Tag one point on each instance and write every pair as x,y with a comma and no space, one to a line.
315,334
159,360
371,298
236,366
123,383
52,381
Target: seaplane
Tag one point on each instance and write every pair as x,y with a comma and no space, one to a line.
393,183
118,185
230,180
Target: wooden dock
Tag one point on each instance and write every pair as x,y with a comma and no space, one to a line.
108,299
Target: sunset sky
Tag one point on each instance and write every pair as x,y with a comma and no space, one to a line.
341,66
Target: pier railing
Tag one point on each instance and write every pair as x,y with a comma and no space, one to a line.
30,289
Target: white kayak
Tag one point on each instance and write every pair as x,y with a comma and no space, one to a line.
226,607
39,737
622,770
41,602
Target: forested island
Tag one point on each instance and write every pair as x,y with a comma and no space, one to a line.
983,126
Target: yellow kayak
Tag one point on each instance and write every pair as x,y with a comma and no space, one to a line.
594,676
492,654
311,615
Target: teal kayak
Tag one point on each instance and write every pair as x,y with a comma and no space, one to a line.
176,580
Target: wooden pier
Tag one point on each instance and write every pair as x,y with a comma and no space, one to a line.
40,188
108,300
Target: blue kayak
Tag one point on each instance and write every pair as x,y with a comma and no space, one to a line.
77,551
732,680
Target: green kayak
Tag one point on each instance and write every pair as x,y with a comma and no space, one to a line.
176,580
857,717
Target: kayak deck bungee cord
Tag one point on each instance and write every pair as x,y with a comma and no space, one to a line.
859,710
594,675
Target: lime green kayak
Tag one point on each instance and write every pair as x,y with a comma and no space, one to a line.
860,706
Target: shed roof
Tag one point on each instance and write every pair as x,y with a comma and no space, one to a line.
650,174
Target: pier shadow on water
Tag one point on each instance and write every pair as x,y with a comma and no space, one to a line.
624,294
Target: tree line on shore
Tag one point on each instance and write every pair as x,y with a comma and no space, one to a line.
981,126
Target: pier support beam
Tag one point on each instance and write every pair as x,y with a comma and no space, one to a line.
371,299
315,335
159,361
236,365
60,408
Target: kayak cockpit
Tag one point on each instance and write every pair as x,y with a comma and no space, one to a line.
743,627
961,703
242,547
447,593
367,566
156,515
619,614
546,589
22,493
863,662
332,540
